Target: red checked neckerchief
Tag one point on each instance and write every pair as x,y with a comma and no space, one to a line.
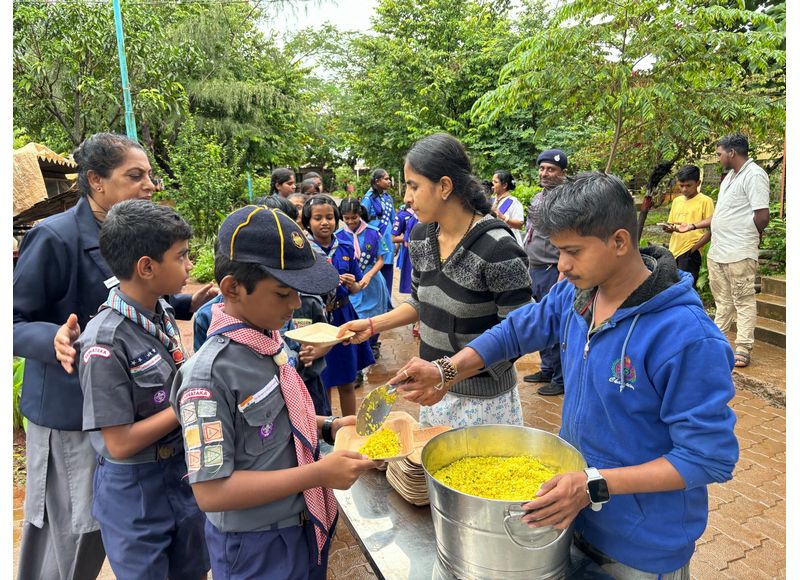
319,500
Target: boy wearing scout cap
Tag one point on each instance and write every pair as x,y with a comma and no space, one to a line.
250,432
128,354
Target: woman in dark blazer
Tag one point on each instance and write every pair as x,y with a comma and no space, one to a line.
60,280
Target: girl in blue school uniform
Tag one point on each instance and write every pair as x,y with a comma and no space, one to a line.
401,230
321,220
372,253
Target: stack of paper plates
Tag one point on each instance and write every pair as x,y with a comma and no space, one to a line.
407,476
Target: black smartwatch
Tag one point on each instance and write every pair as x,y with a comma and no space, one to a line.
597,488
327,430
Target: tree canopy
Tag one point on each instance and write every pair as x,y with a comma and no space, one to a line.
621,85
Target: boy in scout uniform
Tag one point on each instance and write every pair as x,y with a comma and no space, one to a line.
250,432
128,354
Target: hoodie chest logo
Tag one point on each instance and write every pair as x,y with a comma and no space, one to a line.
623,374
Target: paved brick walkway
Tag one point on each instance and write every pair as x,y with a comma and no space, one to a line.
746,534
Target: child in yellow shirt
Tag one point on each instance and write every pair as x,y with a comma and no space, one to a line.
691,207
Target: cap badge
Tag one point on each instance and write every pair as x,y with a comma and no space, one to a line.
298,240
557,157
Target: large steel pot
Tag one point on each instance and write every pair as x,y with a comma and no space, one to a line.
478,538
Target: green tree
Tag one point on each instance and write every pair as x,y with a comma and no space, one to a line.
655,79
420,72
66,72
208,59
210,186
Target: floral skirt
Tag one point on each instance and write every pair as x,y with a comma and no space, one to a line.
463,411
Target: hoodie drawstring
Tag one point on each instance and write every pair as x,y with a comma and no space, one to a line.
622,356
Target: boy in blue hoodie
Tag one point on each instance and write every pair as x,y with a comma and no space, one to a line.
647,386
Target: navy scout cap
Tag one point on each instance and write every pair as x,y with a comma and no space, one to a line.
270,238
554,156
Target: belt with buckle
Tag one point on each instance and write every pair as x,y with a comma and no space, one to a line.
159,453
166,451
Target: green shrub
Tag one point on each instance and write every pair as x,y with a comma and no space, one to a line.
203,270
774,240
524,192
18,421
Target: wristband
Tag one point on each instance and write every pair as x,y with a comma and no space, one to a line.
327,430
694,227
371,327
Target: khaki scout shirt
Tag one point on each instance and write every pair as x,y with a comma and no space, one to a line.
234,418
125,374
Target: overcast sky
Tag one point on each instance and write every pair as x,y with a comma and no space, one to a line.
344,14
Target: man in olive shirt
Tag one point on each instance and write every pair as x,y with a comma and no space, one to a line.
543,266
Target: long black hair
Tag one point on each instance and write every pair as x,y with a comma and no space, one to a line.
442,154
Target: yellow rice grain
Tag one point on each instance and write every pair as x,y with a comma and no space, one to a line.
383,443
506,478
372,403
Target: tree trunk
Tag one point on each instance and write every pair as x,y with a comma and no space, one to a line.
147,138
658,173
615,143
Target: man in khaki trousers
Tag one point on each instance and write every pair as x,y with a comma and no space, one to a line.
741,214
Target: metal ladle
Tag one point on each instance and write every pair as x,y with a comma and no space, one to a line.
375,407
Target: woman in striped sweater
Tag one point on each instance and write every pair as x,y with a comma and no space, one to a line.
468,273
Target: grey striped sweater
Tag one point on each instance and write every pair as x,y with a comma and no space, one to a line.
484,279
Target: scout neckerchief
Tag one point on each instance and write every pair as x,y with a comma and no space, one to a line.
328,254
171,339
320,501
365,258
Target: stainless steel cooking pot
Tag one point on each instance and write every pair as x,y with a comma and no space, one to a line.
479,538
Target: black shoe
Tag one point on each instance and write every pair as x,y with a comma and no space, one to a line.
551,389
539,377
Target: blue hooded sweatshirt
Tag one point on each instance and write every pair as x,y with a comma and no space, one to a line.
654,381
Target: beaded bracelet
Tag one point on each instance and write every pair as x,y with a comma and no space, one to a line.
448,369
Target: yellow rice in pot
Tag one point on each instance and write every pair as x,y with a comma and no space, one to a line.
505,478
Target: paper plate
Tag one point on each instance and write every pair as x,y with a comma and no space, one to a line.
319,333
347,438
